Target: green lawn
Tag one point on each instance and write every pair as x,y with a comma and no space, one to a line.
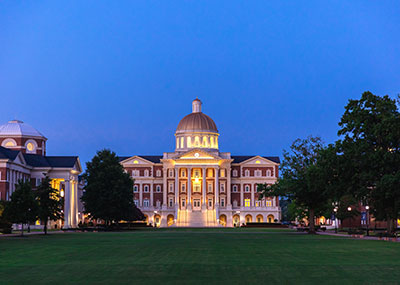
197,256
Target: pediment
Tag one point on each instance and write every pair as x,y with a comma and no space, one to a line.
135,160
19,159
258,160
198,154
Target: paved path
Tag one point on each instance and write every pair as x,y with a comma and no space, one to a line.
348,236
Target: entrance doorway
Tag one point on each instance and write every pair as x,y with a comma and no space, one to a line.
196,205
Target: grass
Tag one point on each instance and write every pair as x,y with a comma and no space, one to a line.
191,256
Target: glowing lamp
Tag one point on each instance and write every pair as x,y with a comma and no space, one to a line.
335,210
196,180
62,193
349,209
367,207
136,162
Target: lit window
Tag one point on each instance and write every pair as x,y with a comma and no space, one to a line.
196,188
258,162
158,188
136,162
222,172
247,202
268,203
196,173
258,203
30,147
247,188
182,142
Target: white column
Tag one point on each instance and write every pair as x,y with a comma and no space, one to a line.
140,194
204,173
67,204
189,189
164,189
151,194
216,187
74,206
252,195
176,186
241,195
228,189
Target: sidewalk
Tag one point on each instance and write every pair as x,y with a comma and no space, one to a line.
18,234
349,236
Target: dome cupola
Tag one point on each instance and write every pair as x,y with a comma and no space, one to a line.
196,130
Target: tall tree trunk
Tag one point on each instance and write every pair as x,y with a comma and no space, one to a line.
45,227
311,221
389,225
22,229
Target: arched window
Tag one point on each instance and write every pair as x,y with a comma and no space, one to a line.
235,189
204,141
189,142
158,188
177,142
268,173
257,173
234,173
182,142
146,188
31,146
146,203
9,143
146,173
211,142
235,203
158,173
135,188
247,173
197,141
246,188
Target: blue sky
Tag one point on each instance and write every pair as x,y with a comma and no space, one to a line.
121,74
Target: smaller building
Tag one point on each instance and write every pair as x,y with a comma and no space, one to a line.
23,157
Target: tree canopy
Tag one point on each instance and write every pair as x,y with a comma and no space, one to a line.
108,193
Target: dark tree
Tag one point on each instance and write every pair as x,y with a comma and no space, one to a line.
370,150
22,208
302,179
49,203
108,194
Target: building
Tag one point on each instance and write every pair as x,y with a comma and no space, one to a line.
23,157
197,185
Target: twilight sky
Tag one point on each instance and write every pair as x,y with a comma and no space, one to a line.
121,74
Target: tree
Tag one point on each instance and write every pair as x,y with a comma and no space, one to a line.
108,194
49,203
302,178
370,150
22,208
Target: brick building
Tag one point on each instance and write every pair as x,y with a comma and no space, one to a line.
197,185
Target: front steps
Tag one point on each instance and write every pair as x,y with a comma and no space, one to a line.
196,219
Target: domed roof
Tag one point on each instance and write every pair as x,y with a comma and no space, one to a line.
196,122
18,128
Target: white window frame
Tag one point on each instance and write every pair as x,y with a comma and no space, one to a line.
146,203
269,173
171,187
247,203
222,202
146,173
158,173
222,187
234,173
170,172
146,189
183,187
247,173
136,201
247,189
171,202
234,188
209,188
158,189
135,188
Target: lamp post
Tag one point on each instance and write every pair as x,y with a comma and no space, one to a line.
349,209
335,210
367,208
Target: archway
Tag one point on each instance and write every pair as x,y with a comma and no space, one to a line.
157,220
259,218
270,218
236,221
170,220
248,218
222,220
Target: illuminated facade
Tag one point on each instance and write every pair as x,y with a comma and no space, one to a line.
23,157
199,186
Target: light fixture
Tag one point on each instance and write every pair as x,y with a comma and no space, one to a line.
367,207
349,209
62,193
335,210
196,180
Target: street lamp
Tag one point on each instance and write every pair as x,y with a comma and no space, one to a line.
367,208
335,210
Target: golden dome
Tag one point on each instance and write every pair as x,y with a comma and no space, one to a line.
196,122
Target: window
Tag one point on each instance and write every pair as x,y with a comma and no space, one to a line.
247,202
268,203
38,181
222,172
210,202
182,142
171,173
222,187
235,203
146,188
234,173
209,187
247,173
183,173
222,202
196,173
257,173
171,202
158,173
183,187
158,203
146,203
183,202
196,188
146,173
235,189
269,173
258,203
136,203
135,188
158,188
246,188
171,187
30,146
135,173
